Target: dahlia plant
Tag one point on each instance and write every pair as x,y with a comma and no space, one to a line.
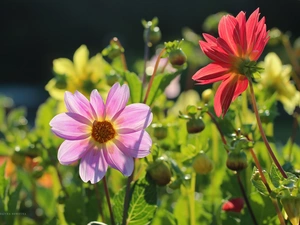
115,145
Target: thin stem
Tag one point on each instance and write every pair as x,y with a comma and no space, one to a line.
263,135
191,196
153,74
127,197
108,201
278,211
123,59
146,54
97,192
246,198
60,181
293,136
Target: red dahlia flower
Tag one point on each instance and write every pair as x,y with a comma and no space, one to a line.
234,205
240,44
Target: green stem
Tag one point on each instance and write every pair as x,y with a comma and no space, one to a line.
191,196
246,198
263,135
126,200
146,53
108,201
153,74
123,59
293,136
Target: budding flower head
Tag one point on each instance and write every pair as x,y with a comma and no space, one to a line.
202,164
236,160
152,33
233,205
195,123
159,131
160,171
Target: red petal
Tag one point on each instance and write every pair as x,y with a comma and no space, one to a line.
241,18
251,27
211,73
224,95
234,205
241,86
209,38
214,53
229,31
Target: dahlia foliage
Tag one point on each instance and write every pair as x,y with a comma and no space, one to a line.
137,144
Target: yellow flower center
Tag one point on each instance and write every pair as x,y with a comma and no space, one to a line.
103,131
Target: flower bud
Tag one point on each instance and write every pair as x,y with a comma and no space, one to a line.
195,125
236,160
160,172
207,95
233,205
291,205
159,131
177,57
202,164
154,35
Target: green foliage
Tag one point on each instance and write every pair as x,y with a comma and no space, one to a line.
135,86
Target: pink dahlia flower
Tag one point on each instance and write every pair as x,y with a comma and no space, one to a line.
240,42
102,135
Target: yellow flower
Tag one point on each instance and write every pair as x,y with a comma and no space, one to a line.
276,78
83,74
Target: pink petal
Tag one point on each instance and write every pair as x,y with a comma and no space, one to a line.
211,73
79,104
241,86
116,100
224,95
71,151
118,160
136,145
133,118
71,126
98,104
93,166
229,31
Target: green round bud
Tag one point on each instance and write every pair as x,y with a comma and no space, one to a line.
154,35
207,95
18,158
195,125
177,57
202,164
114,52
160,172
160,131
236,161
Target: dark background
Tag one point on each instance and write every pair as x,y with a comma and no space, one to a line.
34,32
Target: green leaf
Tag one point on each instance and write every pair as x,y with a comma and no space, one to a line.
3,181
135,86
164,217
159,84
275,176
12,205
16,117
142,205
74,208
258,183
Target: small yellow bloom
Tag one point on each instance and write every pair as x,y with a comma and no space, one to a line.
276,78
83,74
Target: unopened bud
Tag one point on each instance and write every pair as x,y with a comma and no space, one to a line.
195,125
236,161
177,57
207,95
160,131
160,172
202,164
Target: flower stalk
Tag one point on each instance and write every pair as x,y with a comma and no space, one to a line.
191,196
153,74
262,132
108,201
123,59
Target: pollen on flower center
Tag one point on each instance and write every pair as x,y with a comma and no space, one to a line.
103,131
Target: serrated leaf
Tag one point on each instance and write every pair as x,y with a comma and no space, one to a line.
159,84
258,183
142,205
275,176
135,86
12,205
